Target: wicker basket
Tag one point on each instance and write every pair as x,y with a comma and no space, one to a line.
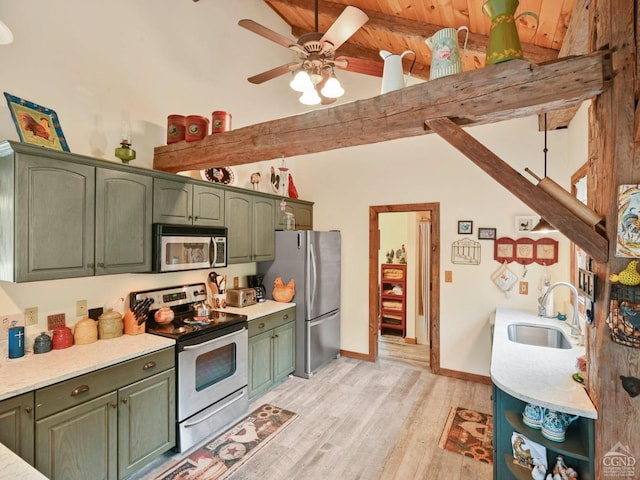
624,315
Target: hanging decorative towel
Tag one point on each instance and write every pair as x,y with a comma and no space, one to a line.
504,278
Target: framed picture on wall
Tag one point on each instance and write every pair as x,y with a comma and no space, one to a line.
525,223
486,233
36,124
465,227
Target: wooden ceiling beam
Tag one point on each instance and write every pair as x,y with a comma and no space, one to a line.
539,200
500,92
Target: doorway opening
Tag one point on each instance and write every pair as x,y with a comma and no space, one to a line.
426,216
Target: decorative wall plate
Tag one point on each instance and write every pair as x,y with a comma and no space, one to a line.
223,175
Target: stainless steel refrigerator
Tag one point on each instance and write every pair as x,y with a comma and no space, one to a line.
312,259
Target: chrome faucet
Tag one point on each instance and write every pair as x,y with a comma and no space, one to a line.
576,331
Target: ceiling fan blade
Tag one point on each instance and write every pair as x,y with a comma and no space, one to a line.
271,35
359,65
273,73
348,23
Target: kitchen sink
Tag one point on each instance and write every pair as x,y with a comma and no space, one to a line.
537,335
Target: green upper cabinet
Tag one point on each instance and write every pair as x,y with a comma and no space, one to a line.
124,204
54,213
250,222
184,203
302,211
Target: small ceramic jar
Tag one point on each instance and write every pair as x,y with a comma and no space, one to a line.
532,416
62,337
176,128
42,343
110,325
85,331
197,128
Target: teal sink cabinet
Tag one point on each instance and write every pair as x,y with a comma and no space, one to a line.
250,222
65,216
109,423
182,202
577,449
16,425
271,350
525,373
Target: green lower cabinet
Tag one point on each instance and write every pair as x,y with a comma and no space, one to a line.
578,449
81,442
271,351
16,425
146,421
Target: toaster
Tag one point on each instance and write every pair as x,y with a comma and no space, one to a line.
241,297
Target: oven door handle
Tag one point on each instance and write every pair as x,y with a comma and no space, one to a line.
217,339
217,410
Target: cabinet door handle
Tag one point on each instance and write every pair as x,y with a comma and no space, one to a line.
100,265
149,365
195,219
28,410
261,325
277,336
78,390
285,316
124,401
113,404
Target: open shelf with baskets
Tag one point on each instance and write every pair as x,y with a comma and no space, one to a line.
393,297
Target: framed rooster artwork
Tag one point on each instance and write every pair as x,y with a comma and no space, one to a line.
36,124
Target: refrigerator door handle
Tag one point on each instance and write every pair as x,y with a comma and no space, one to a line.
314,275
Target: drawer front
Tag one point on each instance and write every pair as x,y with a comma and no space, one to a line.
77,390
268,322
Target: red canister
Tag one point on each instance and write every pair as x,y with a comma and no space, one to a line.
62,337
221,121
197,128
176,127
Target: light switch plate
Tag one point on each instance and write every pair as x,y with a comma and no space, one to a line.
524,288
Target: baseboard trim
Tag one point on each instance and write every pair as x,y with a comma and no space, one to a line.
359,356
411,340
471,377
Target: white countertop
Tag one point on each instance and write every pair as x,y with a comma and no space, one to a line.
15,467
259,309
24,374
538,375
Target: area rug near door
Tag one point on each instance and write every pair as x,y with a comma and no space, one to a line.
469,433
220,457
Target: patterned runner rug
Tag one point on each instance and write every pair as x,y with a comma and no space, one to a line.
219,458
469,433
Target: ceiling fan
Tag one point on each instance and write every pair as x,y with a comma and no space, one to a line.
314,68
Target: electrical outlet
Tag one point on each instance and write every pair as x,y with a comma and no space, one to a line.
31,316
81,308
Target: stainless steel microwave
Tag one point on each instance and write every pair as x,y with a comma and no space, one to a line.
184,247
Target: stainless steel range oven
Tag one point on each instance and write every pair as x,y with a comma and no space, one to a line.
211,360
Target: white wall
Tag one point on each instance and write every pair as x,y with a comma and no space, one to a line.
97,63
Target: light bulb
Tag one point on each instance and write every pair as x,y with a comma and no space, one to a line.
310,97
332,89
6,37
301,81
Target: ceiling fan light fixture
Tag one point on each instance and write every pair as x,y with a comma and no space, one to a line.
310,97
301,81
332,89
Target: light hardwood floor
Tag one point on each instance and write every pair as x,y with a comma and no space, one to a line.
367,421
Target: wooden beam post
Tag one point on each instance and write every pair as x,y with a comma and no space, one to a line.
540,201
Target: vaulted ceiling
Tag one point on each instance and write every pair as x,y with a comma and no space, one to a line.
398,25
